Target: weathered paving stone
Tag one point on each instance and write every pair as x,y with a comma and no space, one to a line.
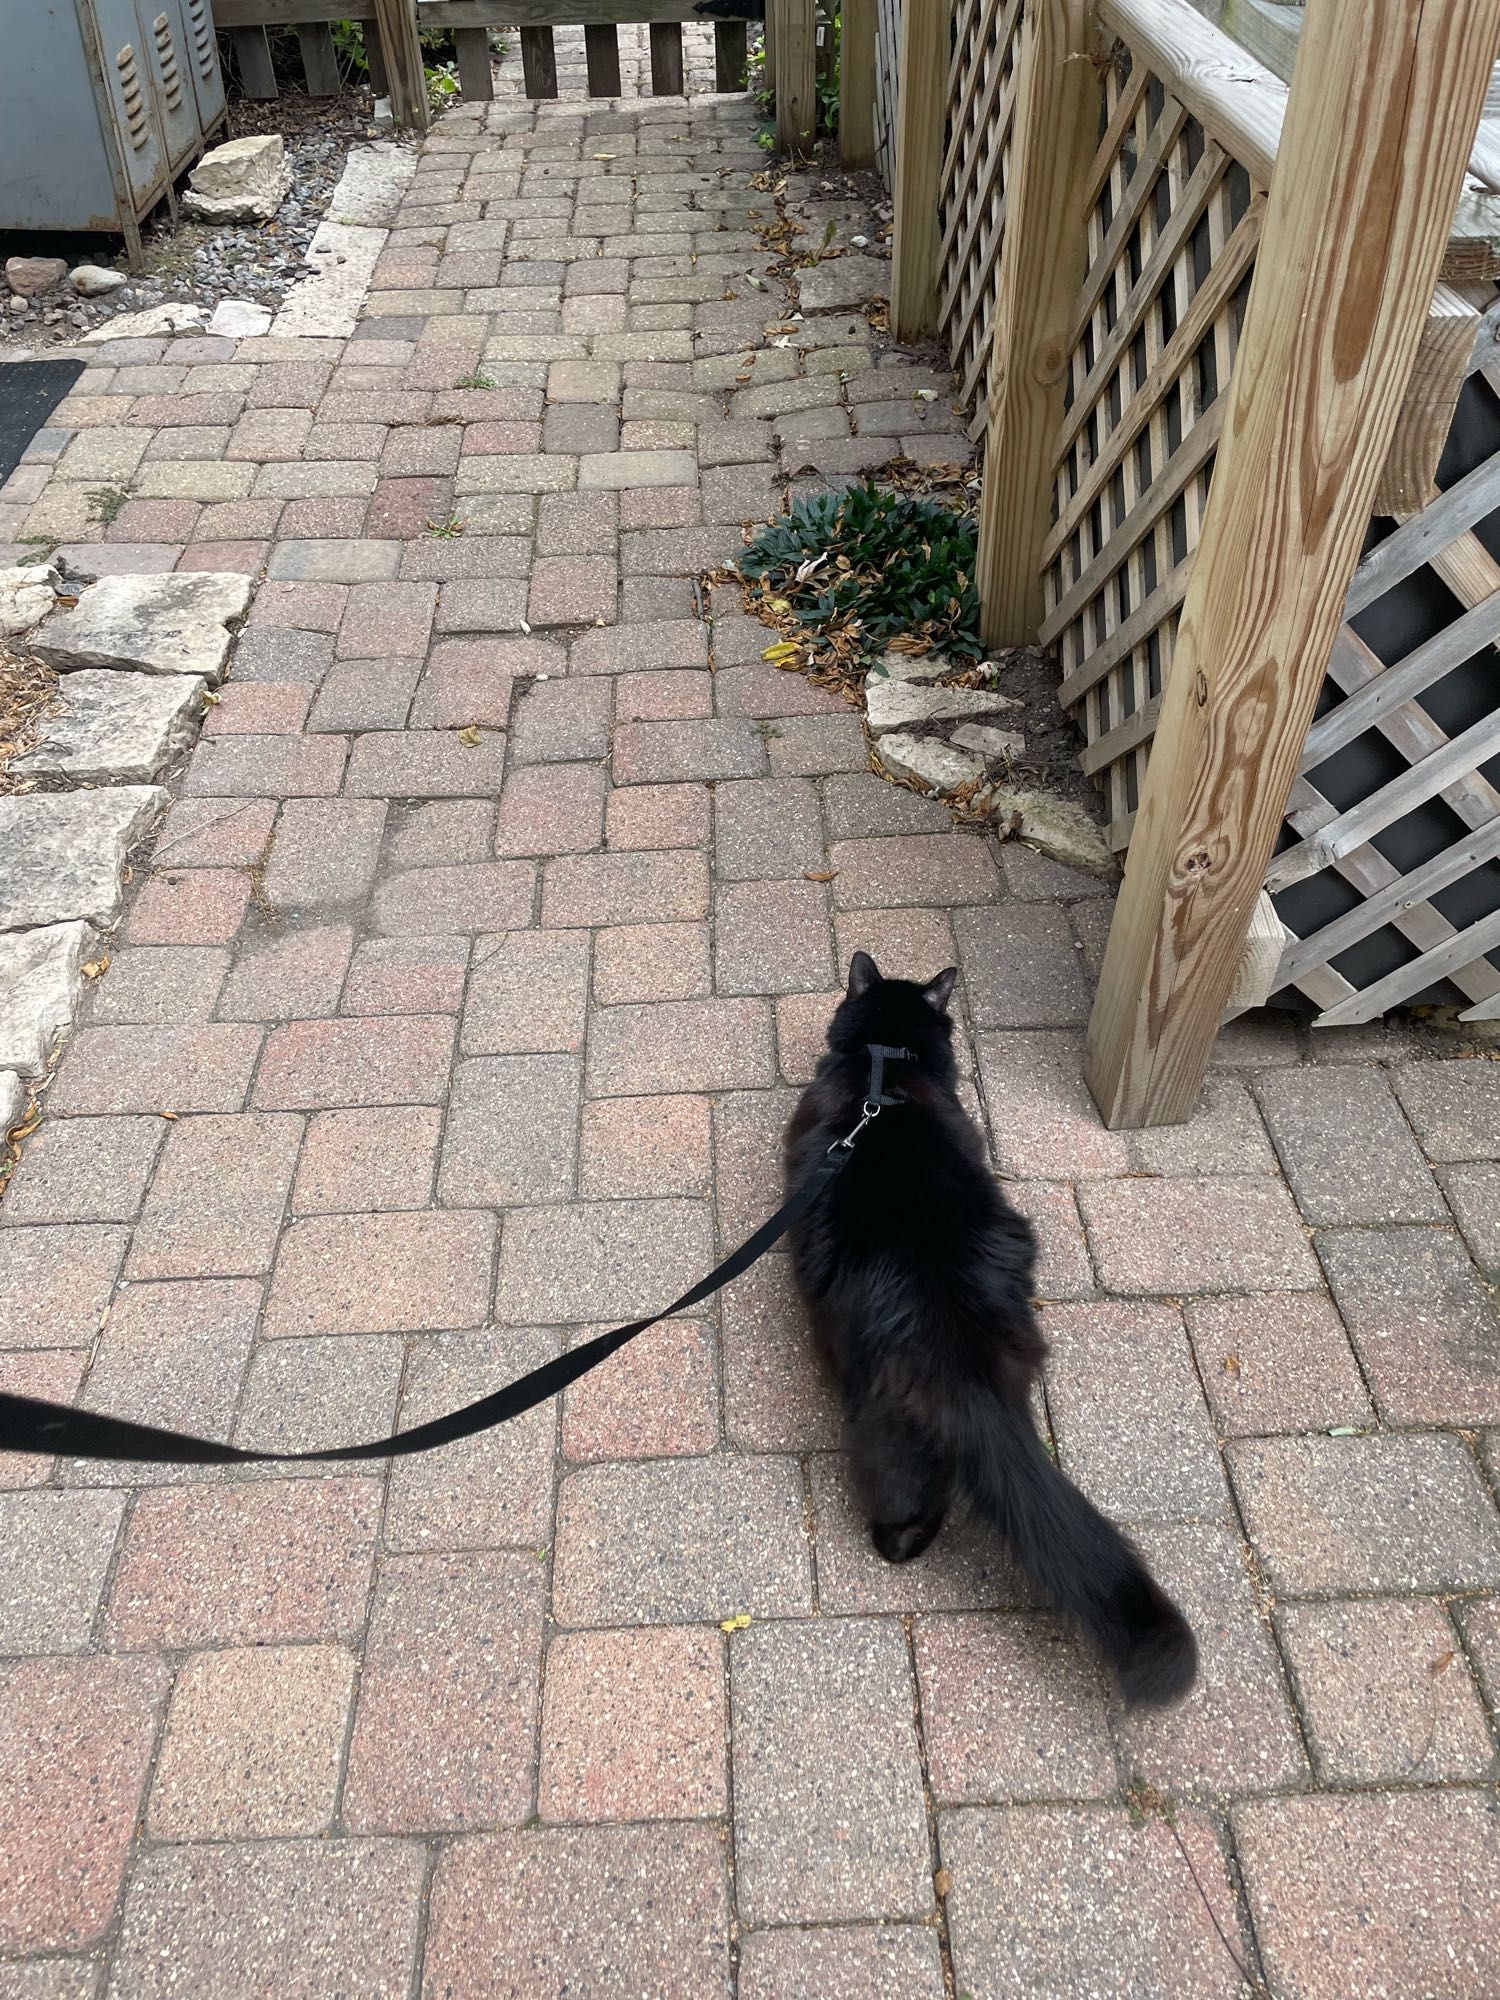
596,1260
1089,1900
1386,1693
70,1729
410,1273
830,1822
115,729
55,1283
41,981
1356,1892
681,1541
1424,1325
634,1726
62,856
448,1695
55,1550
840,282
1331,1515
235,1918
1346,1148
842,1962
253,1743
512,1131
639,1910
177,624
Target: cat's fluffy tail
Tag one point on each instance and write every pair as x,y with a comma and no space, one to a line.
1081,1560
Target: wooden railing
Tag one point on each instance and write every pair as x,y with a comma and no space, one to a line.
1196,393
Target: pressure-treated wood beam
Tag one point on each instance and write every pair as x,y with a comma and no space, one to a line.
1384,105
920,116
1042,259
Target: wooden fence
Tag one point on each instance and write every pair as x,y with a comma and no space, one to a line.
1108,172
392,47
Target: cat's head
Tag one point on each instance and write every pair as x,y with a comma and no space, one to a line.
898,1012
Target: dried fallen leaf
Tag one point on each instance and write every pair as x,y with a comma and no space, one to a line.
942,1881
1231,1364
1441,1664
819,874
736,1624
469,737
170,1116
96,968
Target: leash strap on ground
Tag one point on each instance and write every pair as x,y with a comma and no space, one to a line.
29,1424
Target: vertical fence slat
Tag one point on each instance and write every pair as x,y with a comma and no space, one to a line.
1042,261
397,21
375,59
539,62
1350,257
795,72
857,83
601,52
666,59
252,52
920,119
730,53
320,63
475,74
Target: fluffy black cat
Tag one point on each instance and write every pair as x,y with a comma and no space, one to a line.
917,1274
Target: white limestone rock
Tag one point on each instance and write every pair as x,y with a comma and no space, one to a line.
929,761
895,666
244,180
177,624
239,319
40,983
995,746
12,1100
898,704
1053,825
151,323
97,281
27,593
116,729
62,854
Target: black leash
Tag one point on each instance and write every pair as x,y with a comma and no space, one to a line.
27,1423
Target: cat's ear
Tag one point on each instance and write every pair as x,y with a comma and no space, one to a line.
863,973
938,992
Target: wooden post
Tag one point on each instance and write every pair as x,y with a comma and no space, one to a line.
320,63
375,59
252,52
539,62
476,74
665,39
397,23
857,20
730,41
1384,103
794,77
1042,258
601,52
920,118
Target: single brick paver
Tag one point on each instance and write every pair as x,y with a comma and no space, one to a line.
456,1014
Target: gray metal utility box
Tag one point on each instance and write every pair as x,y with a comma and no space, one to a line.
102,103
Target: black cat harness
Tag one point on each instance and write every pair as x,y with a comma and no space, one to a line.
27,1423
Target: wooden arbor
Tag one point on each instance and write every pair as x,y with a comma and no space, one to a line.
1385,100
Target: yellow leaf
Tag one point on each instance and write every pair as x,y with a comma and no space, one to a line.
736,1624
469,737
96,968
782,650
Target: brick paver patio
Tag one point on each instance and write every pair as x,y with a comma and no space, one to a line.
390,1092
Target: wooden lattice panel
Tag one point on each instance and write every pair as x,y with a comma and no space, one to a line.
1389,865
1173,225
887,87
971,198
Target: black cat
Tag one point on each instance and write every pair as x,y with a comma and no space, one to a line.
916,1274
